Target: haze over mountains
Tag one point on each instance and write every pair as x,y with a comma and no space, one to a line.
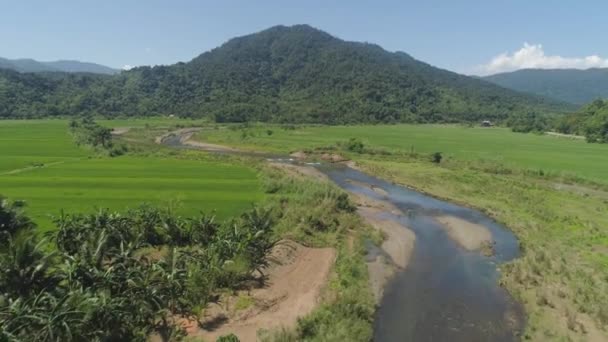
569,85
30,65
282,74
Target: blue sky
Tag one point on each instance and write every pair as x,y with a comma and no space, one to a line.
462,35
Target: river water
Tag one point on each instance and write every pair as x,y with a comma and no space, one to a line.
446,293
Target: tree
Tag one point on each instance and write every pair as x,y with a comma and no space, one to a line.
12,219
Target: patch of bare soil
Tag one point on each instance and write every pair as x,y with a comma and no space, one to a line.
292,290
397,247
299,155
300,170
469,235
333,157
120,130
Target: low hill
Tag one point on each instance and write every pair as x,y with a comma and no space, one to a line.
30,65
568,85
282,74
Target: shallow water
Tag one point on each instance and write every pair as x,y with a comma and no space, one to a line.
446,293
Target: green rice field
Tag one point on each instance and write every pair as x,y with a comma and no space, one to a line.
74,180
529,151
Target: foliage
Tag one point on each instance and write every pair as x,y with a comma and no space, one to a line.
528,122
282,74
561,230
87,132
355,145
590,121
12,220
228,338
436,157
100,281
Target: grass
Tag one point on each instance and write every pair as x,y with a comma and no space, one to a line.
27,143
318,213
528,151
76,181
562,275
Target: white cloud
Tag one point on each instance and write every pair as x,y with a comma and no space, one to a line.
533,56
127,67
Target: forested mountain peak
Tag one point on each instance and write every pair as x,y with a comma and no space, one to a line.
291,74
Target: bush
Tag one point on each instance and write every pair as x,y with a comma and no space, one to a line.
355,145
436,157
228,338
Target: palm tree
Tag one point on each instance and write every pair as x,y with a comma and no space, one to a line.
12,219
27,266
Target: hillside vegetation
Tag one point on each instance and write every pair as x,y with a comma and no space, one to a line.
568,85
590,121
282,74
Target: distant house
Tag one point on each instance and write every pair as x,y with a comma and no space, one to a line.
486,123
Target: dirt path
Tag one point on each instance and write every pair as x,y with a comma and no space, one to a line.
469,235
293,290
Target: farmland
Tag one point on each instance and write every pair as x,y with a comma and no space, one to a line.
41,165
528,151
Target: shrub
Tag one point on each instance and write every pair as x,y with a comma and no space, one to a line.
436,157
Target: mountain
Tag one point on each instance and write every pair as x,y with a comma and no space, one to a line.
568,85
30,65
282,74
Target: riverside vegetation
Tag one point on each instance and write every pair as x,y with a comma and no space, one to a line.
556,210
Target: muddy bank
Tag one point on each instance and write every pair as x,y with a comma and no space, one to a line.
293,289
471,236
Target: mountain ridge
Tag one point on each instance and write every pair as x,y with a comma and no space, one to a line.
291,74
577,86
71,66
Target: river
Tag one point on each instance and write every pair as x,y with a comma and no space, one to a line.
446,293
